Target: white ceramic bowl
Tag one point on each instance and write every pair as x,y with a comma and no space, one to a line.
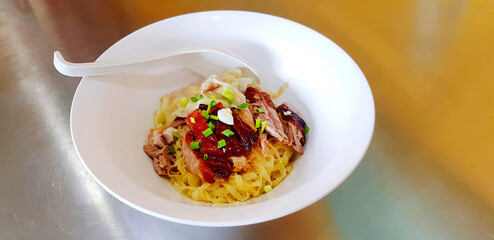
111,115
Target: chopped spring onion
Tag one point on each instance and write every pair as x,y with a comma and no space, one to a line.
263,126
192,120
210,124
200,97
175,134
205,115
213,117
205,156
210,105
172,150
184,102
260,110
207,132
230,102
195,145
258,123
221,143
227,93
243,105
307,129
268,188
212,97
228,133
194,99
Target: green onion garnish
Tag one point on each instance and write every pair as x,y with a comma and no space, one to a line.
307,129
260,110
228,133
172,150
184,101
175,134
227,93
230,102
243,105
195,145
210,124
263,126
205,115
213,117
200,97
194,99
207,132
258,123
210,105
221,143
192,120
205,156
212,97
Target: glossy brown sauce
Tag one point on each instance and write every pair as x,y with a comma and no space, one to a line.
217,164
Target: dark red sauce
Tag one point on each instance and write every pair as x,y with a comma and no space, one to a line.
218,163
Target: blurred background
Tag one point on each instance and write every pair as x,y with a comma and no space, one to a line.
428,173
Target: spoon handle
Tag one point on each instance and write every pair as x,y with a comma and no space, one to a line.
114,66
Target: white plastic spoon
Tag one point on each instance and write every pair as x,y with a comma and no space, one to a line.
204,62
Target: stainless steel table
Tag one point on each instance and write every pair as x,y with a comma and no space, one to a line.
427,174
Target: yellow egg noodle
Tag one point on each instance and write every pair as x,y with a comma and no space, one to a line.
263,173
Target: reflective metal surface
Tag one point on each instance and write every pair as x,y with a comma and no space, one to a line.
427,174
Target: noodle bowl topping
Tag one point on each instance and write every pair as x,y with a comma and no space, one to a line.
223,140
